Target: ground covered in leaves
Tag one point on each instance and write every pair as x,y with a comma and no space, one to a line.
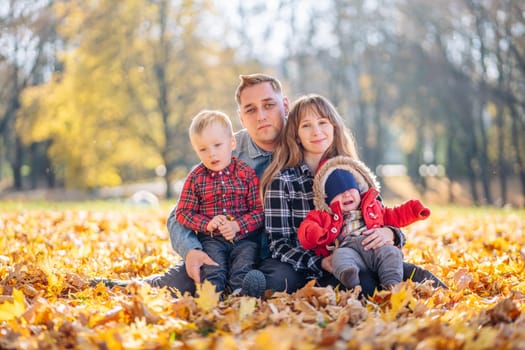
48,255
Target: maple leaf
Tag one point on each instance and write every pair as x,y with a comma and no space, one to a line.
247,307
400,298
207,298
12,310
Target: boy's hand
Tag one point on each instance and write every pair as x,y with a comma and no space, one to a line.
216,222
229,229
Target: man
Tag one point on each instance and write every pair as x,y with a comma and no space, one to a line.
262,109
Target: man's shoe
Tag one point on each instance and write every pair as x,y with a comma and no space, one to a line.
254,284
419,274
108,282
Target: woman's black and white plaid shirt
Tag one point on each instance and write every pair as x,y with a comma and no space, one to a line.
286,204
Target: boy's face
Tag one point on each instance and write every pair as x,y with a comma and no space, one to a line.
350,200
214,147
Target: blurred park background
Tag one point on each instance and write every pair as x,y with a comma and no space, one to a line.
96,95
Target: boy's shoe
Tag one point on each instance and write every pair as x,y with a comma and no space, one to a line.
254,284
108,282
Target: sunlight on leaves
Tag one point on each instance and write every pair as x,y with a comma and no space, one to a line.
46,296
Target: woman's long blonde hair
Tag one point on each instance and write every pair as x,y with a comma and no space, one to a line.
289,152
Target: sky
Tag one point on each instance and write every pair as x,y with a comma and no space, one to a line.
270,46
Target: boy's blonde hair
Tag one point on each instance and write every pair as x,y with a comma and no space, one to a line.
206,118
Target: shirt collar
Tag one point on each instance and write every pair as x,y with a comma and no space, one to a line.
226,171
255,151
354,215
305,169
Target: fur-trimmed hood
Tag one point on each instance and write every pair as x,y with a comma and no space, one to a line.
363,175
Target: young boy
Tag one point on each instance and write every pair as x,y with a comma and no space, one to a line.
220,202
346,198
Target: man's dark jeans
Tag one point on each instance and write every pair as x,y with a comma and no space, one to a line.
235,259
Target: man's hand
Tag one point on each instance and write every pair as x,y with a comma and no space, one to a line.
377,237
194,260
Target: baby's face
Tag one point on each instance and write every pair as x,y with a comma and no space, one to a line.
350,200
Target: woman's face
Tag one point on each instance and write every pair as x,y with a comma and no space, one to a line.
316,133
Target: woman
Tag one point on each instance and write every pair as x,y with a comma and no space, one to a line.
314,131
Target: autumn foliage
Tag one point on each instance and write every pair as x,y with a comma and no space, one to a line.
47,257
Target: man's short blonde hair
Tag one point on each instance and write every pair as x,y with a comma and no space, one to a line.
255,79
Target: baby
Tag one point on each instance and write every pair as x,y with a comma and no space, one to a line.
347,202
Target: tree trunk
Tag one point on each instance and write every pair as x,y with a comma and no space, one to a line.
501,155
33,156
517,132
49,168
449,174
379,137
482,154
16,164
472,167
167,176
169,190
500,125
472,183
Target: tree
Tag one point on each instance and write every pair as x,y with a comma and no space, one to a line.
27,42
135,73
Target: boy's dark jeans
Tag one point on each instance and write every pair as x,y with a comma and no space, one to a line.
234,259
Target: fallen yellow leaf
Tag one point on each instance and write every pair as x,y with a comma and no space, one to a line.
207,297
12,310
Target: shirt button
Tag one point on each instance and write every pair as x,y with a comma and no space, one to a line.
333,230
336,217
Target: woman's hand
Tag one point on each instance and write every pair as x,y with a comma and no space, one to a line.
377,237
326,264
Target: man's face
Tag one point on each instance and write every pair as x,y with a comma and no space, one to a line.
262,112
